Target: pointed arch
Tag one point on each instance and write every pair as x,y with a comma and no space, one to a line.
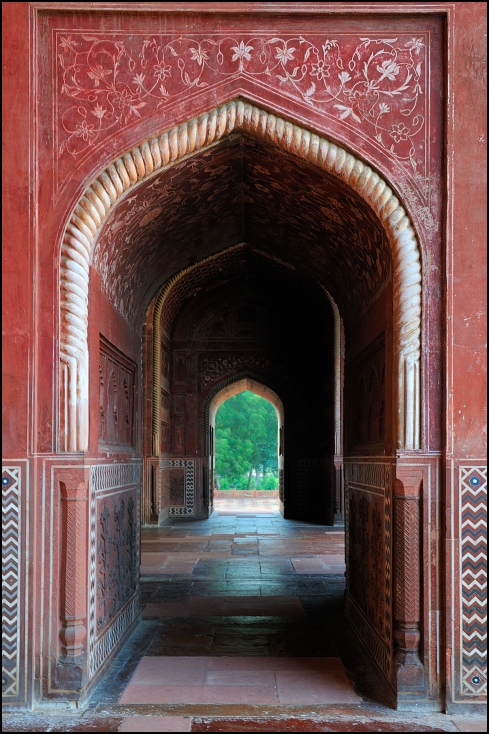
161,152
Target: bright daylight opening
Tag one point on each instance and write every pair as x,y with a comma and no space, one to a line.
246,469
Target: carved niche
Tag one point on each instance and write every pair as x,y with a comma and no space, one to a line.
117,376
367,401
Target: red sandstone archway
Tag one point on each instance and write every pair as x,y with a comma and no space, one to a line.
402,347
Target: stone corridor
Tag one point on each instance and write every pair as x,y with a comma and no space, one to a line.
242,630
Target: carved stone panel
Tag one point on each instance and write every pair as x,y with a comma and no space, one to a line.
179,366
366,549
165,405
366,382
165,438
114,556
178,439
177,486
117,374
117,556
369,556
212,368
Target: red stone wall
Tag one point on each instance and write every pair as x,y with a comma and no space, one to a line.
48,162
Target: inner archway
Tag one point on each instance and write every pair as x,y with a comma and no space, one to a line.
239,420
242,315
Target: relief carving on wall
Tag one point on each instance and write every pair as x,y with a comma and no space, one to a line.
165,362
177,486
165,437
117,382
367,385
117,558
106,82
211,368
368,488
366,552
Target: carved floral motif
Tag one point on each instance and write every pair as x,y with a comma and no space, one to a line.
376,85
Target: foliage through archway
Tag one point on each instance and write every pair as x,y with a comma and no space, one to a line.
246,443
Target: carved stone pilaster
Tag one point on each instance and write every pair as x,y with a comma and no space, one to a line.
407,579
71,670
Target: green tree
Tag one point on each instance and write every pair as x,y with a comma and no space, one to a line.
246,438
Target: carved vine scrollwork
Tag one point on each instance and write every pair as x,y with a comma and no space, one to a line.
375,84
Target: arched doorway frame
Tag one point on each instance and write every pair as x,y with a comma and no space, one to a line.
222,392
177,144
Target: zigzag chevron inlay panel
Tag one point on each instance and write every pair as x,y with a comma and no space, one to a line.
10,580
473,570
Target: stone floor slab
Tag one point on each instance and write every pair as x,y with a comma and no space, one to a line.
470,724
160,694
314,688
240,678
156,723
170,671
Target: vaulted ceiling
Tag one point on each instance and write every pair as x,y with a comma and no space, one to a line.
242,190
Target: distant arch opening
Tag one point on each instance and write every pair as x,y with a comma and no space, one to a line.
246,448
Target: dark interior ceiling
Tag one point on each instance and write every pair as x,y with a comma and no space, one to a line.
242,190
292,300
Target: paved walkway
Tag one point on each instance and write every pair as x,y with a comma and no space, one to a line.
242,630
